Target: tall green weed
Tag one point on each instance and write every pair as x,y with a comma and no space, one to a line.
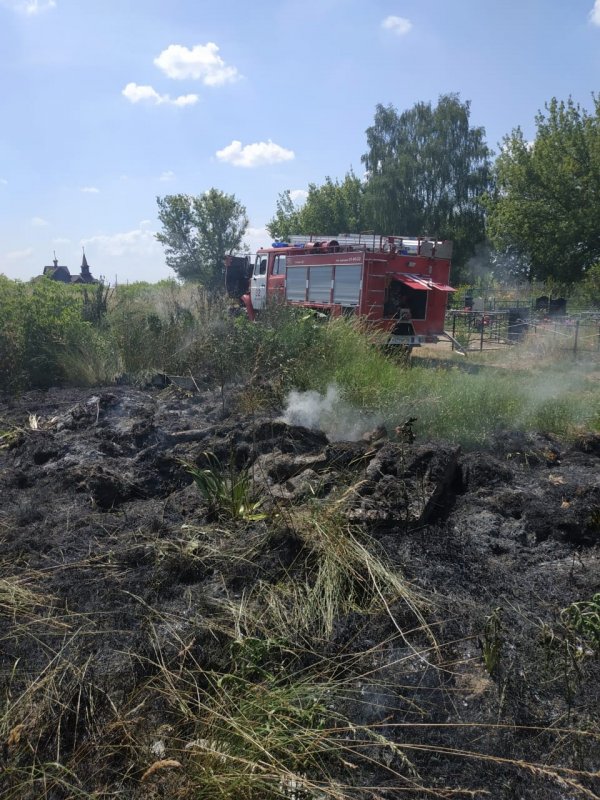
152,326
41,324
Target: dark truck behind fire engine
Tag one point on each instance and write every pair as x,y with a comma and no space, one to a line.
399,284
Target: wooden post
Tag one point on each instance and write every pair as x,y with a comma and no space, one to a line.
576,337
454,331
481,337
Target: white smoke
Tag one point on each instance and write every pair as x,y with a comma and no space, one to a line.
329,413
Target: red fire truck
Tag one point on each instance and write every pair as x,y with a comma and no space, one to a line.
400,284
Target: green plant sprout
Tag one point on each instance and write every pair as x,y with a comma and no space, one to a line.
228,491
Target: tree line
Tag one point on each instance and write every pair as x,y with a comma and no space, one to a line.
532,213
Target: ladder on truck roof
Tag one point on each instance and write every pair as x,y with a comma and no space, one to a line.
410,245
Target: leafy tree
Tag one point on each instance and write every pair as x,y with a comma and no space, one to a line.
428,169
286,220
197,232
547,200
334,207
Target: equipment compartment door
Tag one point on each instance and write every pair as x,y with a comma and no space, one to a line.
295,284
347,285
319,284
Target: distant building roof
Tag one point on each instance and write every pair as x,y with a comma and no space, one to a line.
57,273
63,274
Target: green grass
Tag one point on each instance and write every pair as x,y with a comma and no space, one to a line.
452,403
583,618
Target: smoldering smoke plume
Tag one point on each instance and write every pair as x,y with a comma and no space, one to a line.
507,266
328,413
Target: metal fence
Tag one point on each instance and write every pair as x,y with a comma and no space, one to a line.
577,333
487,330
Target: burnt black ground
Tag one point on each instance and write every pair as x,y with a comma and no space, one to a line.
91,497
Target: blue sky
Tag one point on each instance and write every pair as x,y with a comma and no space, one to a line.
106,104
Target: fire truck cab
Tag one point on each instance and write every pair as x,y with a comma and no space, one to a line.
400,284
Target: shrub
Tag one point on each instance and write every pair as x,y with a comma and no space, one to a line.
587,293
11,334
40,324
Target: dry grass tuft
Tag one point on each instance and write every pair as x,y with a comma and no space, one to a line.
338,571
165,763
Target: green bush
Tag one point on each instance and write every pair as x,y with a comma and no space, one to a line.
587,293
41,325
11,334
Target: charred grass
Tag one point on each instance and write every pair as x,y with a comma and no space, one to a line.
299,663
290,655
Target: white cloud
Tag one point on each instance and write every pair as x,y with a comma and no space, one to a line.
182,100
298,195
90,190
39,222
202,63
3,182
29,7
61,240
137,242
138,94
257,237
257,154
399,25
19,255
167,175
131,255
595,13
32,7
